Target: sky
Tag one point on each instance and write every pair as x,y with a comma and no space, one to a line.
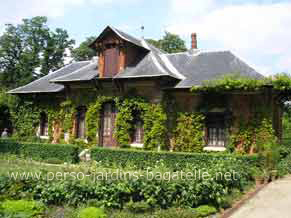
257,31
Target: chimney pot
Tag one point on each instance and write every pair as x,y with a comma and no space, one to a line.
193,41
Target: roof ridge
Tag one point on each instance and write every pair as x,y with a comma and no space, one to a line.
171,67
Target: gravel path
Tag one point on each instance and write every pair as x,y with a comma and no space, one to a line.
273,201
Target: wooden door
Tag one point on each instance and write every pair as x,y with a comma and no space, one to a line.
108,125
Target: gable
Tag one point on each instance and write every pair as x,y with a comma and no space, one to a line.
116,52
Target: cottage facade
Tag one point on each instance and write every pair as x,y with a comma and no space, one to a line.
126,64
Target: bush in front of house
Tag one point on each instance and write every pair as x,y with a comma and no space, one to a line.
22,208
174,160
150,193
10,146
40,151
92,212
205,210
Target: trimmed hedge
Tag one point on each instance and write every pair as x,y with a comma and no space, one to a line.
40,151
173,160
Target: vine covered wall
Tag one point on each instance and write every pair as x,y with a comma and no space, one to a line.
175,123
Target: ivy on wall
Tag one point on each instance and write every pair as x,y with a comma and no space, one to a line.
233,82
189,132
254,136
93,117
25,119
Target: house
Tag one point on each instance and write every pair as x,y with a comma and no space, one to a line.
126,64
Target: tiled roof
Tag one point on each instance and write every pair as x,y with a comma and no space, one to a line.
43,85
189,68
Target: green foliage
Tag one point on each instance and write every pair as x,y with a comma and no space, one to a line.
284,166
92,212
30,50
84,52
137,207
170,43
39,151
25,119
235,82
229,82
175,212
93,117
205,210
281,81
154,127
22,208
172,160
10,146
7,104
155,192
255,136
189,132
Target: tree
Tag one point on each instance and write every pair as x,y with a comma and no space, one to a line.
31,50
170,43
84,52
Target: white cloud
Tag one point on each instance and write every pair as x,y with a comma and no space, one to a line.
254,31
13,11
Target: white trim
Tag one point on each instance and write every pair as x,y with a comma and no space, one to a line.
136,145
210,148
124,77
44,137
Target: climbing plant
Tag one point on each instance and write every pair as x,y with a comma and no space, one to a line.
93,117
154,127
189,133
232,82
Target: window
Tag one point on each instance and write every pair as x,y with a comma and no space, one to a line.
80,122
107,120
138,132
108,116
43,124
215,130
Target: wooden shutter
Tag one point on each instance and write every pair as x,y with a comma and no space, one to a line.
111,62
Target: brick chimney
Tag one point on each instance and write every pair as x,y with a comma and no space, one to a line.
193,41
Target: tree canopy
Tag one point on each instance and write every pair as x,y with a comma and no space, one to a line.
31,50
84,52
170,43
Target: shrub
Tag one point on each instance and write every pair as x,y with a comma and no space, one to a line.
205,210
284,166
113,193
67,153
137,207
176,212
173,160
9,146
22,208
92,212
127,214
40,151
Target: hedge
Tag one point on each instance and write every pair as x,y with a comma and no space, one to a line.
40,151
174,160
